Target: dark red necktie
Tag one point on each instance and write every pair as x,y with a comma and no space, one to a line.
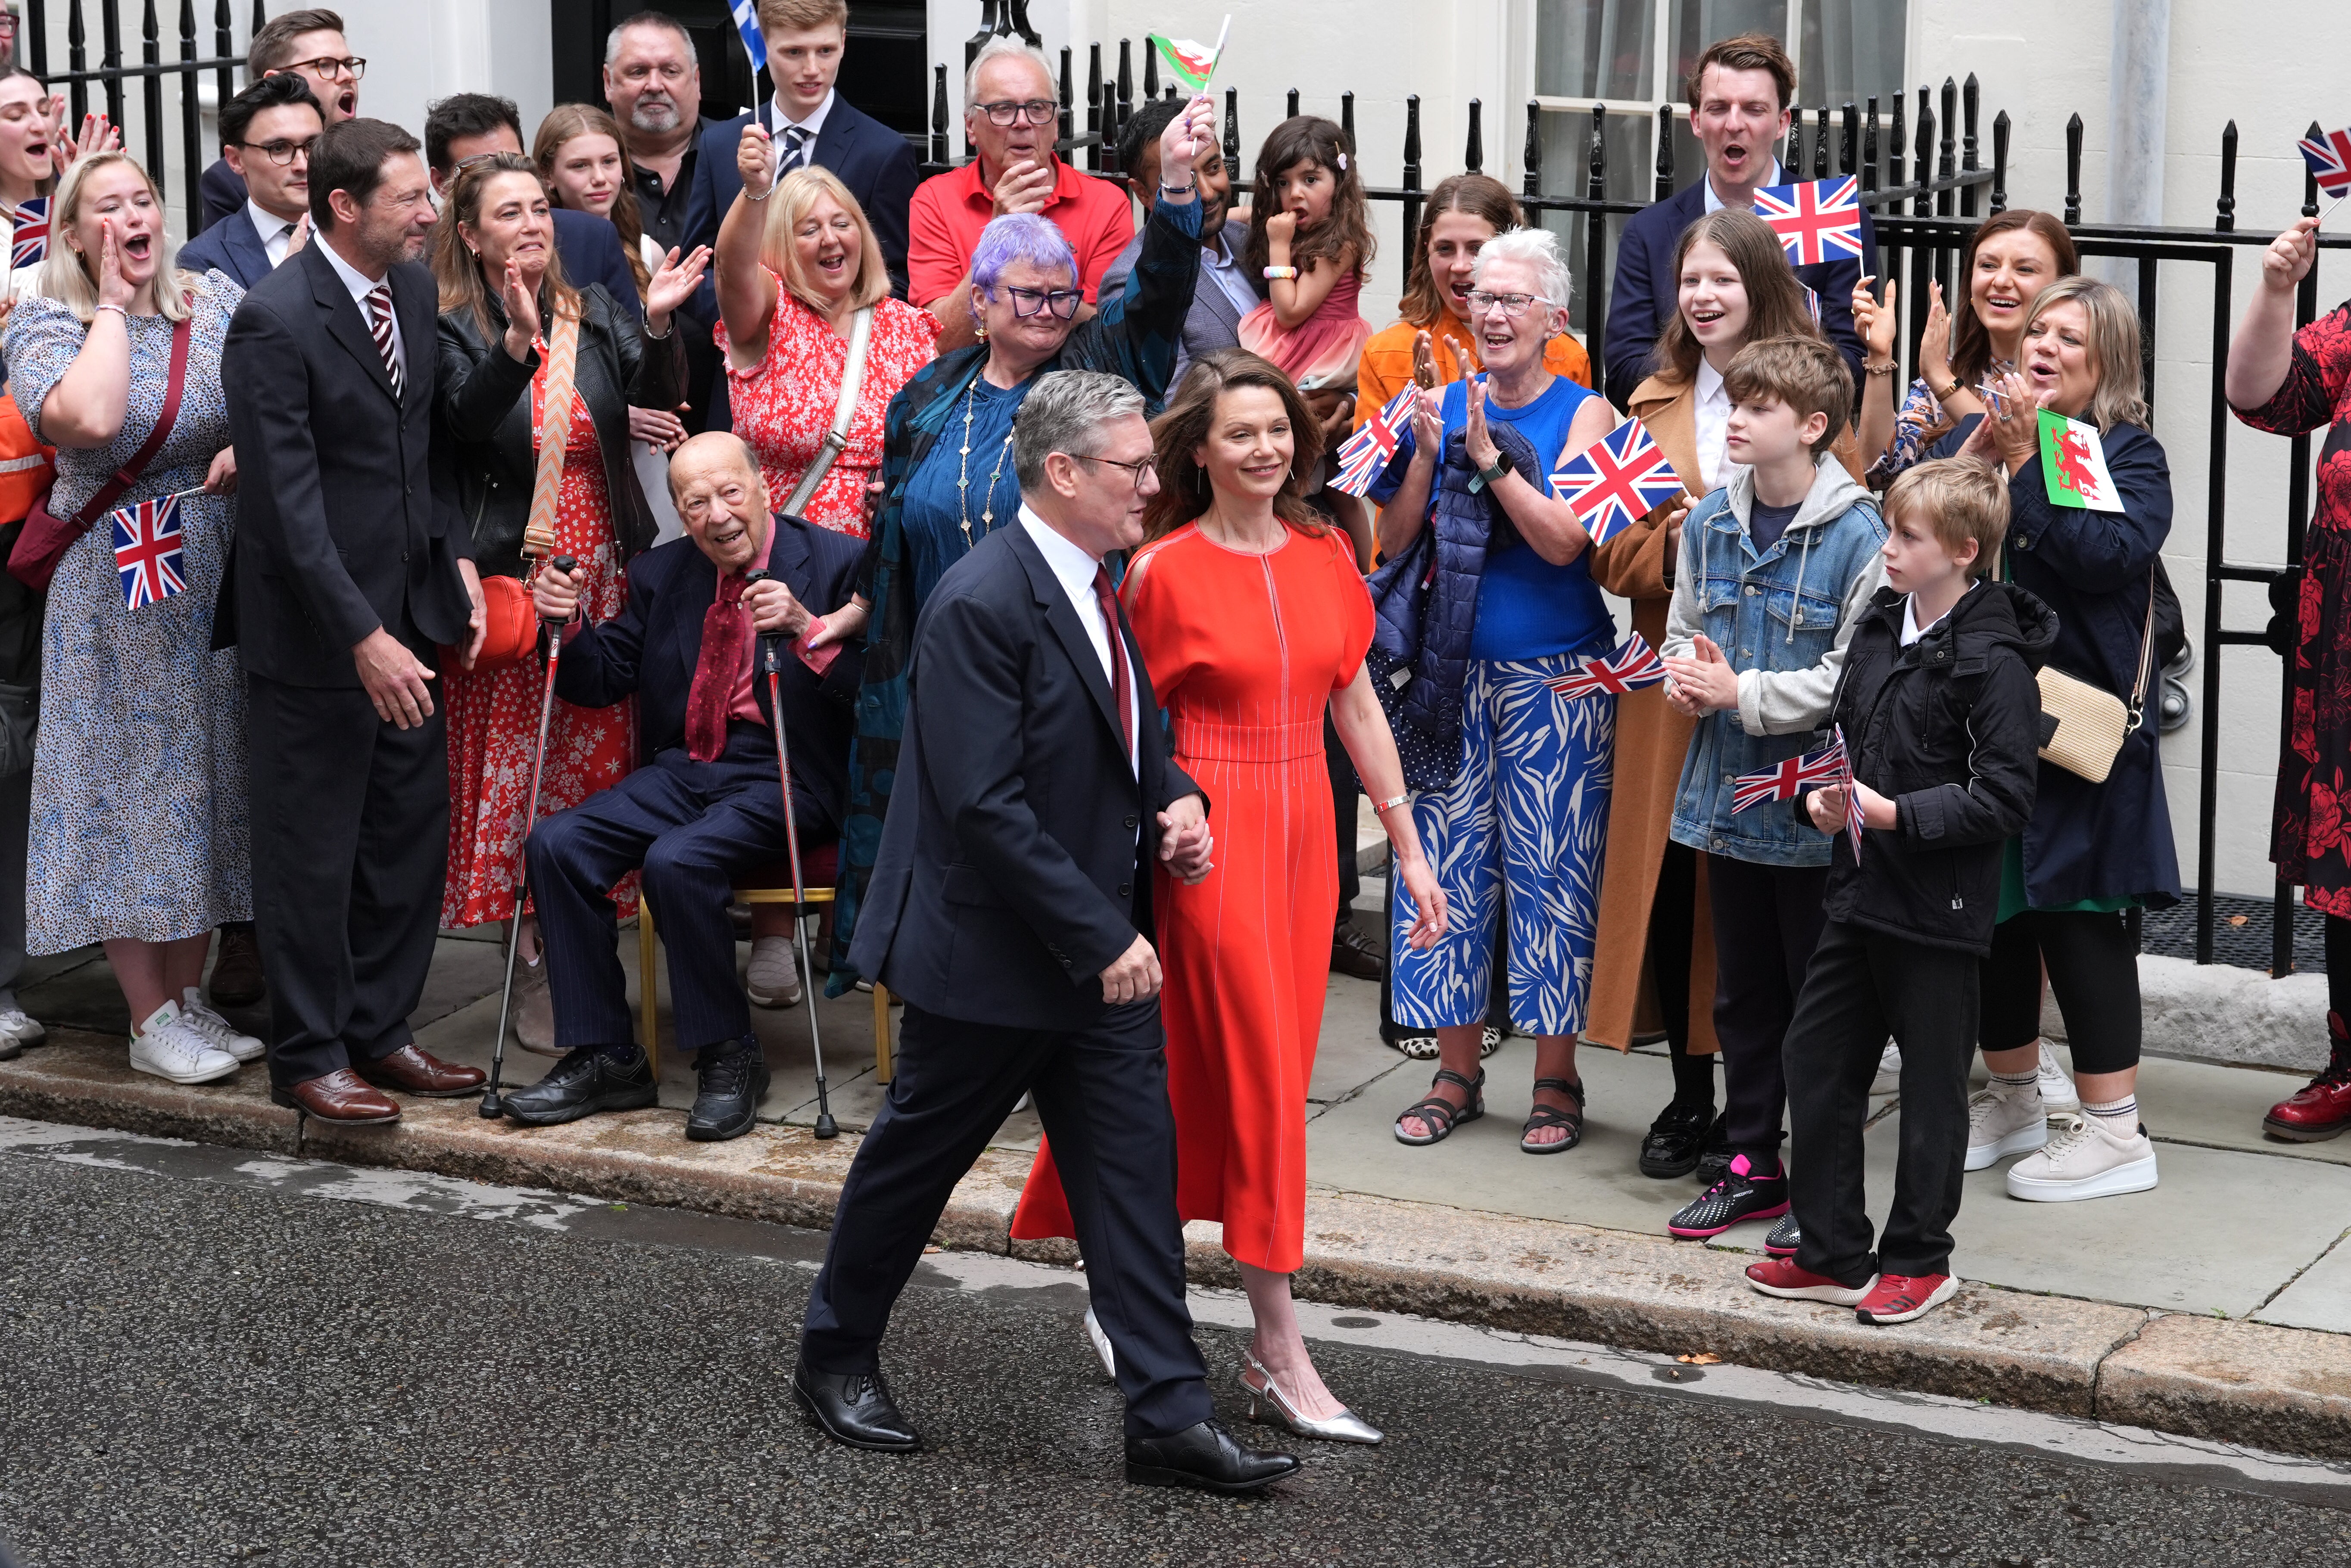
1120,675
726,629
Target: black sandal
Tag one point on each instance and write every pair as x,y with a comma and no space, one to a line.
1442,1113
1551,1116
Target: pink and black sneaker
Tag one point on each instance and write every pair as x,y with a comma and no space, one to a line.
1898,1298
1740,1194
1785,1237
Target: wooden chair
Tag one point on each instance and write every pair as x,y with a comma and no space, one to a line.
769,885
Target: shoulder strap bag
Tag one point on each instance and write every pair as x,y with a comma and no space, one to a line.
2092,722
46,538
852,382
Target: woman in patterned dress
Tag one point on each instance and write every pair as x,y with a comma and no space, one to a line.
494,257
139,835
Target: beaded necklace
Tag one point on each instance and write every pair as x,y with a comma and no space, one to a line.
962,477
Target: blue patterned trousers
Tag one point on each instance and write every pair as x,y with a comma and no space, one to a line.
1529,813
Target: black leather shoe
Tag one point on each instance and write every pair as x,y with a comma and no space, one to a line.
855,1409
585,1082
1714,1160
1675,1140
728,1098
1206,1456
1351,952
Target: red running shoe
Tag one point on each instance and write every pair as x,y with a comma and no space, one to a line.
1898,1298
2321,1109
1781,1277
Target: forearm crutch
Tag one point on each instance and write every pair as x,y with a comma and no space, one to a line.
492,1107
771,662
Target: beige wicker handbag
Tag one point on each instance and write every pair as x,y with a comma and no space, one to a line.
2092,722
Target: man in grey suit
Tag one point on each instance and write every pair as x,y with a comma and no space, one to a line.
1224,295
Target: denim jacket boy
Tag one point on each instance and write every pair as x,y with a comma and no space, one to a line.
1782,619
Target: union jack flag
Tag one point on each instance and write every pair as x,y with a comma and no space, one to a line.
1852,796
147,551
1617,480
1636,664
30,245
2329,157
1817,221
1785,781
1365,455
1811,305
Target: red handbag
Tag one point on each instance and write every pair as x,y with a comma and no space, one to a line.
510,625
46,538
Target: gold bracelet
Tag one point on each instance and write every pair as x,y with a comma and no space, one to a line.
1869,370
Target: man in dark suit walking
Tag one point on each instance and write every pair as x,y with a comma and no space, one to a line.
1739,94
267,133
347,573
1008,906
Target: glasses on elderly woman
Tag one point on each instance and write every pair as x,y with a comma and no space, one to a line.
1036,112
1513,306
1028,302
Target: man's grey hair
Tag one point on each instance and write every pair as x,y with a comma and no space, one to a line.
996,48
1065,412
1535,248
646,19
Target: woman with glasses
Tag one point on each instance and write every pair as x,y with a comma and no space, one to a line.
1528,808
946,464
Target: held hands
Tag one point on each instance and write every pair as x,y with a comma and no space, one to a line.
755,160
2289,257
397,681
1702,683
1433,919
657,428
1826,807
1133,976
672,286
1186,136
774,611
1877,324
554,595
1477,439
522,313
1185,841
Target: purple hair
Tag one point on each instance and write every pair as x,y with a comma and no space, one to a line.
1017,237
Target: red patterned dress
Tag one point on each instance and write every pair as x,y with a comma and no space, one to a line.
494,713
784,404
2311,838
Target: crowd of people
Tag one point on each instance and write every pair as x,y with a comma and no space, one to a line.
593,470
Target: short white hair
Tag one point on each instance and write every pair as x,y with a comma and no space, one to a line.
1065,412
997,48
1537,249
647,19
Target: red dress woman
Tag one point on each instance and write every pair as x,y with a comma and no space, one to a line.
1252,620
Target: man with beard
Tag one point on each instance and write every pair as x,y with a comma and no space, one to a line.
346,577
309,43
654,82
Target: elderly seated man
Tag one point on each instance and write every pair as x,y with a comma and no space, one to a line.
705,805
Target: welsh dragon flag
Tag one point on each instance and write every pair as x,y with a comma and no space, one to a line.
1193,64
2073,463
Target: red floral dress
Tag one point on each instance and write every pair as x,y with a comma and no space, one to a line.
784,404
494,713
2309,843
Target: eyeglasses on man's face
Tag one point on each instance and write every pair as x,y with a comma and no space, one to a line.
1028,302
1036,112
1135,470
1513,306
281,153
326,65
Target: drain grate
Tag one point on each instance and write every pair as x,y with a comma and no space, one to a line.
2241,933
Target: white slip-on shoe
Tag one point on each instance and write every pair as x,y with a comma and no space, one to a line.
215,1030
2087,1158
2001,1124
773,976
1101,1342
20,1028
1889,1071
2057,1092
165,1046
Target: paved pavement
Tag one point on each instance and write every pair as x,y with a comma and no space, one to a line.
216,1354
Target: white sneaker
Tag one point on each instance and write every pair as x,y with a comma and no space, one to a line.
1889,1072
165,1046
2056,1089
2001,1124
773,978
2087,1158
18,1027
215,1030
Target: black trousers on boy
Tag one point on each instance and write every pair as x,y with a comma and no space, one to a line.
1864,985
1767,921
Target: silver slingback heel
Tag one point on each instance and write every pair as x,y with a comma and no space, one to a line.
1269,1406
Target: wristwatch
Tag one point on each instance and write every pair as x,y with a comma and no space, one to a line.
1488,477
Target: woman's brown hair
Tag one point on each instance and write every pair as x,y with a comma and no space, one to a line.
1478,195
568,123
1191,414
1971,342
1775,300
465,283
1309,138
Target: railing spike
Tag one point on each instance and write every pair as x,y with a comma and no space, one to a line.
1473,152
1531,155
2073,171
2224,211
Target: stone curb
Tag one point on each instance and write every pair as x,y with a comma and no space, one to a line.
2279,1388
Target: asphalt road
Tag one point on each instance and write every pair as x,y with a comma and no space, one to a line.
214,1356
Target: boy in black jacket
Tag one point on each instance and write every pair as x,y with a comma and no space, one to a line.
1941,719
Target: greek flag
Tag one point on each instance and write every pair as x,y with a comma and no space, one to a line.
747,22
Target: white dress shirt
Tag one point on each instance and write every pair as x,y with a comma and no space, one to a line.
813,125
276,234
362,286
1076,570
1711,415
1911,630
1714,203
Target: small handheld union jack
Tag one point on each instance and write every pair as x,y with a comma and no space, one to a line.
29,244
1785,781
1364,456
1617,480
147,551
2329,157
1852,796
1817,221
1632,666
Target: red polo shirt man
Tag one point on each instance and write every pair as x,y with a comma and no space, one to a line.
1015,171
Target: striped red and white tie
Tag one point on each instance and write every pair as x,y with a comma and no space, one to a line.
379,301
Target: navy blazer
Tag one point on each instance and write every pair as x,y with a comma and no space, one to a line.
222,189
649,649
1016,866
1647,293
234,246
874,162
